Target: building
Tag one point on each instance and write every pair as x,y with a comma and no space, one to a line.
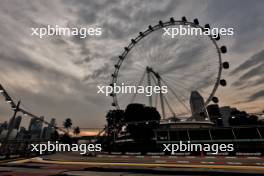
12,127
17,122
197,106
49,130
35,127
226,112
3,126
11,136
22,134
214,114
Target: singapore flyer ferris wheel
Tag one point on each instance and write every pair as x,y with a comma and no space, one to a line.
185,64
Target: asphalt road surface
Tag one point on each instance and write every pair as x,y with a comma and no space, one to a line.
76,164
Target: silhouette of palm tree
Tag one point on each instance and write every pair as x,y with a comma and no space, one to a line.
76,131
67,124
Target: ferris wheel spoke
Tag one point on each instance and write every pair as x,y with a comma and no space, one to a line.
178,84
193,82
139,84
183,85
177,97
169,106
182,96
179,109
189,75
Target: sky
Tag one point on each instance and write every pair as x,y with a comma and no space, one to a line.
57,76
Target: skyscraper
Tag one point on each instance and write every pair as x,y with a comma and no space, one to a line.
35,127
226,112
197,106
214,114
17,122
49,130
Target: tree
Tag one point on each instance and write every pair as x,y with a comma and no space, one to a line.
67,124
76,131
242,118
141,120
55,135
115,122
66,139
253,120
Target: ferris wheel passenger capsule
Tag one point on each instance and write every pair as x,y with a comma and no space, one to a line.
223,49
226,65
184,19
133,41
207,26
215,99
196,21
161,23
223,82
150,28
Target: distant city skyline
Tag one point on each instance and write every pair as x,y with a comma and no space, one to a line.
57,77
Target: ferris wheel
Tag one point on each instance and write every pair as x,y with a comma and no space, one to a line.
184,64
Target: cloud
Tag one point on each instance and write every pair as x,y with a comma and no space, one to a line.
57,76
250,71
247,26
257,95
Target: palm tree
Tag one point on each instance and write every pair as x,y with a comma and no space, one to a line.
67,124
76,130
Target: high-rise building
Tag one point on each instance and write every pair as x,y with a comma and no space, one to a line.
11,129
197,106
49,130
22,134
3,126
52,122
214,114
17,122
3,134
226,112
35,127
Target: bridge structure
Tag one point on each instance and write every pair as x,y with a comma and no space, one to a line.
14,146
16,107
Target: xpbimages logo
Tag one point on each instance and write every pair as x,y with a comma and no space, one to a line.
59,147
195,31
128,89
191,147
56,30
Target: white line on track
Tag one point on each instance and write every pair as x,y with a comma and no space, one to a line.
139,156
210,157
173,157
125,156
207,162
253,157
184,162
190,157
155,156
233,163
230,157
111,156
160,161
261,164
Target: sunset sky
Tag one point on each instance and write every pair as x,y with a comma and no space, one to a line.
57,77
